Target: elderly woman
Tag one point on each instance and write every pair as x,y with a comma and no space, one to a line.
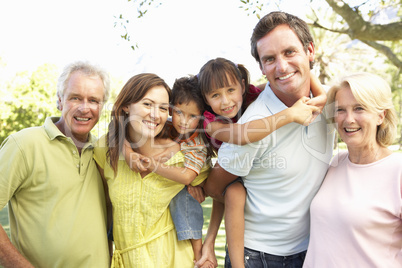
356,215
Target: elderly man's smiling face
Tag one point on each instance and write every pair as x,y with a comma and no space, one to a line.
81,105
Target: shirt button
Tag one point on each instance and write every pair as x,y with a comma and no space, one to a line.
74,152
78,166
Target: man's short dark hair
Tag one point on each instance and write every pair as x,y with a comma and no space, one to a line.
270,21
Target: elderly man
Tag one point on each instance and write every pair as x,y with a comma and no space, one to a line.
48,176
282,172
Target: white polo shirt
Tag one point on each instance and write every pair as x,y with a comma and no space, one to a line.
282,174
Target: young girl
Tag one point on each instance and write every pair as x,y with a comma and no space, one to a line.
227,93
187,109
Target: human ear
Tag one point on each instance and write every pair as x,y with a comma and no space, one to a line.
60,106
381,117
125,109
311,51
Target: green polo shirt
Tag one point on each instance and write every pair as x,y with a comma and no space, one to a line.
56,198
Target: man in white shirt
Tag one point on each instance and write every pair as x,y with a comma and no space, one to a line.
283,171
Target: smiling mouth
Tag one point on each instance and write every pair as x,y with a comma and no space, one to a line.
151,124
351,130
286,76
82,119
228,108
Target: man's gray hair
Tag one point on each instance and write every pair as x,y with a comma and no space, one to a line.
87,69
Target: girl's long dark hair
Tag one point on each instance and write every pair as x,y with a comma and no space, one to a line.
220,72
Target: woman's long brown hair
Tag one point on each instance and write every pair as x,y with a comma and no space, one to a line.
133,91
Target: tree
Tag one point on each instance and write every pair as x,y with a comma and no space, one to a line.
365,30
354,23
356,30
31,98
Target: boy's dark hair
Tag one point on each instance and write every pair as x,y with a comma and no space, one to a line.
185,89
270,21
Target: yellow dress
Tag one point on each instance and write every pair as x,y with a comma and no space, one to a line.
143,229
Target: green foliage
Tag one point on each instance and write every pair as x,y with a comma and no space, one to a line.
122,22
261,80
252,7
28,100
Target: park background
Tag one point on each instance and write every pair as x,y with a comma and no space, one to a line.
174,38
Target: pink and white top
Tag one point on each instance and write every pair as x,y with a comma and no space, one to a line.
356,215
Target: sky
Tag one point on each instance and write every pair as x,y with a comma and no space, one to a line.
174,39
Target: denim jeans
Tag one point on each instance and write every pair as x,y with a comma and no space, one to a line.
257,259
187,216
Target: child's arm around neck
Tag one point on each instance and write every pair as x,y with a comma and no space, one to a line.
302,112
140,163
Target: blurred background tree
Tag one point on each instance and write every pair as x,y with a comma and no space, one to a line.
27,99
350,36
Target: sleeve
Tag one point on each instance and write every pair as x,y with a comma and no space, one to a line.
195,158
13,169
252,94
100,152
208,118
204,172
240,159
254,90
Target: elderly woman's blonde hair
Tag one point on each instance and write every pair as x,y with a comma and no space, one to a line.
375,95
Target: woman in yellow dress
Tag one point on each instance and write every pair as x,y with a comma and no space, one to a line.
143,229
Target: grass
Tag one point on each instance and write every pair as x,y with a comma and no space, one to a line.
221,238
207,207
4,220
